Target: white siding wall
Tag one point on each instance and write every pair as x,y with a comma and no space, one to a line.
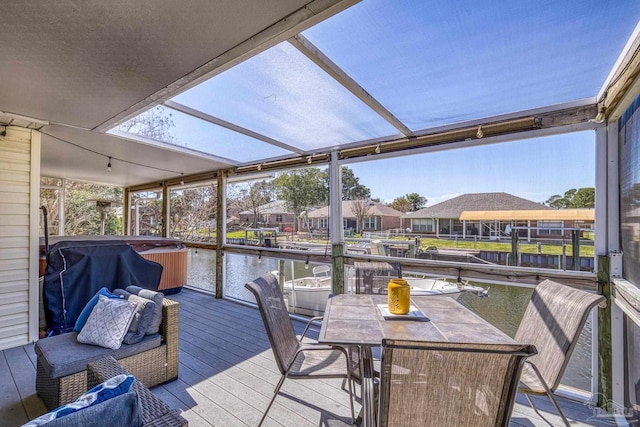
18,276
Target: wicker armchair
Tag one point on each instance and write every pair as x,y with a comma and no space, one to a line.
155,413
152,367
447,384
295,360
552,322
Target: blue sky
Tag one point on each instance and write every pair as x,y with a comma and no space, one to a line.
534,169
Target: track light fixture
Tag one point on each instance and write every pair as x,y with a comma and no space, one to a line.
306,264
109,165
480,133
377,149
260,258
182,179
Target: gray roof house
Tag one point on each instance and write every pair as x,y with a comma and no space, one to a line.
443,219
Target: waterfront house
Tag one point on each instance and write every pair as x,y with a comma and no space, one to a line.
444,219
359,216
270,215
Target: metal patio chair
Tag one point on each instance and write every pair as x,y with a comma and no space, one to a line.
449,384
373,277
552,322
295,360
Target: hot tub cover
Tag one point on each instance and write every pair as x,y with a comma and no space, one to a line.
76,270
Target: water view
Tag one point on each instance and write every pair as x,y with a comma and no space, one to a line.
504,307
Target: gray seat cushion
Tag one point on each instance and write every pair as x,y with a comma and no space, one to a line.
63,355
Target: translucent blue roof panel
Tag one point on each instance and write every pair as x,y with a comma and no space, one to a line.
433,63
202,136
283,95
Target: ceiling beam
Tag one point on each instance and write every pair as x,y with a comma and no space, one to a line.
228,125
618,90
328,66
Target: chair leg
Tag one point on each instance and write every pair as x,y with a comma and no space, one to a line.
275,394
549,394
555,403
353,412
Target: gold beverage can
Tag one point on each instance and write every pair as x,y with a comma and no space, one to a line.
399,297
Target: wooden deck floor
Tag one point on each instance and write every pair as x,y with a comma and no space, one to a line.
227,376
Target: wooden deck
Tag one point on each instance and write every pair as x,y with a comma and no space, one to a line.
227,376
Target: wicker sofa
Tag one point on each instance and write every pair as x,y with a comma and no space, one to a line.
62,361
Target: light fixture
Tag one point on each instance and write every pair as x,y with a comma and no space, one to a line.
600,116
109,165
306,264
260,258
377,149
479,134
259,167
4,131
309,160
196,252
182,179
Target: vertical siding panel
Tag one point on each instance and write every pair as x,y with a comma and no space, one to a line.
16,217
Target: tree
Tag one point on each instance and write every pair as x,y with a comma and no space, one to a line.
256,194
351,187
360,209
573,199
155,123
409,202
584,198
190,209
81,213
301,189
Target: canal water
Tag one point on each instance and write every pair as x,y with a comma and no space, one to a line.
503,308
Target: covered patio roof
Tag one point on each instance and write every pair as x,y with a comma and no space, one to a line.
525,215
252,86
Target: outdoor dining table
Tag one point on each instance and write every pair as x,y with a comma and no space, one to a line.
356,320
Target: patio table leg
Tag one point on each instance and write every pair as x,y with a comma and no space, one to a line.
369,410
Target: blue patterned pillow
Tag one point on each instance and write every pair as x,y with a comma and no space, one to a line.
86,311
120,384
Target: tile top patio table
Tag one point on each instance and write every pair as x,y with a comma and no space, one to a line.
356,320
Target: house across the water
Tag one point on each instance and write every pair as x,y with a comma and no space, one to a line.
496,216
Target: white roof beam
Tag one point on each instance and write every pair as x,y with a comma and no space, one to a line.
228,125
328,66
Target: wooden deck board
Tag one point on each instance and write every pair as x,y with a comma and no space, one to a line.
228,374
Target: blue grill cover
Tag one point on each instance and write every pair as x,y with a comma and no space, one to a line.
76,270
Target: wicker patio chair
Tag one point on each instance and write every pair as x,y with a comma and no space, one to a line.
449,384
373,277
295,360
552,322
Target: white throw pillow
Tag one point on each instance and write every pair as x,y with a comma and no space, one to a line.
108,323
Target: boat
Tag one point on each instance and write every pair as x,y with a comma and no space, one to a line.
431,286
308,295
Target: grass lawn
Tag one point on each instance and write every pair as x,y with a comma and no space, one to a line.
550,248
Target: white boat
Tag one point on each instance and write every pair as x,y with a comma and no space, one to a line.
430,286
308,295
